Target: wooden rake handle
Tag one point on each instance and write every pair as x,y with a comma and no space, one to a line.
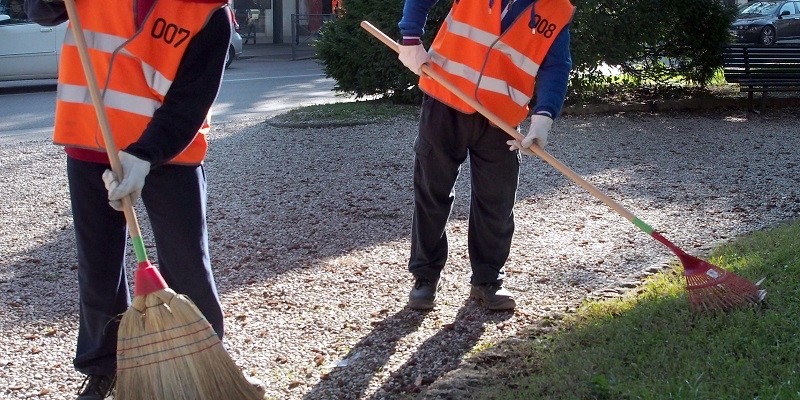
105,127
511,131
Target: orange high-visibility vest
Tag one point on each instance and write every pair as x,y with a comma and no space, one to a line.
496,69
134,69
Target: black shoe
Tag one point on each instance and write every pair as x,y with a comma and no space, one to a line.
493,296
96,387
423,294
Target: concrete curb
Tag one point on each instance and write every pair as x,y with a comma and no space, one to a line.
318,124
679,104
709,103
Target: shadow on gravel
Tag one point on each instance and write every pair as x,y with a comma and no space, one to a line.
433,358
275,206
290,207
280,202
34,291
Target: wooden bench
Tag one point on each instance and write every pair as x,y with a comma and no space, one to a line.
762,69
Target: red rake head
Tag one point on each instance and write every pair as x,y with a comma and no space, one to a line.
714,289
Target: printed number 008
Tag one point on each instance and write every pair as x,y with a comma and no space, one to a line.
543,26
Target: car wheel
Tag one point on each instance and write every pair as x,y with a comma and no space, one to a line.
767,37
230,56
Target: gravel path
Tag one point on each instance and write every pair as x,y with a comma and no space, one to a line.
309,235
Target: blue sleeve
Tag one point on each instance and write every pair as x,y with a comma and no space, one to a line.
553,76
415,13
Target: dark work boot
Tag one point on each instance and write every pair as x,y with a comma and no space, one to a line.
423,294
96,387
493,296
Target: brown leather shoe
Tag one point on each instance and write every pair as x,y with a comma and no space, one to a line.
423,294
493,296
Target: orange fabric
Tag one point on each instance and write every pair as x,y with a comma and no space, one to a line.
492,64
151,52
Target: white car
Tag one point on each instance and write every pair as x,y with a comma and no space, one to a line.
31,51
235,48
28,50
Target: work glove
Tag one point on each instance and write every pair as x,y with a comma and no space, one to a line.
540,128
413,56
134,171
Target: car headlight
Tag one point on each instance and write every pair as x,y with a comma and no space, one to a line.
750,28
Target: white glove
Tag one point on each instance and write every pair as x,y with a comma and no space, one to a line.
413,57
540,128
134,171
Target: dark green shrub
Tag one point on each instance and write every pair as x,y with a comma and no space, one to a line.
360,63
654,42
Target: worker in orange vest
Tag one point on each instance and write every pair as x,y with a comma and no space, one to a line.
502,53
159,65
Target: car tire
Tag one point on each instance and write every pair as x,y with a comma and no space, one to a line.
767,36
230,56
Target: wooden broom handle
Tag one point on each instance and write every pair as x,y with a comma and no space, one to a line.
102,119
509,129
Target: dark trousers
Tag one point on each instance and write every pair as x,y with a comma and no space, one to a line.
175,200
446,137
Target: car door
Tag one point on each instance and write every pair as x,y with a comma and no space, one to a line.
28,50
794,30
787,26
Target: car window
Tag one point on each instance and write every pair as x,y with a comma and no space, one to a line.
15,10
788,7
760,8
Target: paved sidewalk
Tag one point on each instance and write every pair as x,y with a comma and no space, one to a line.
277,52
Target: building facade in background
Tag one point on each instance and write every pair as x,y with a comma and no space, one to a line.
271,21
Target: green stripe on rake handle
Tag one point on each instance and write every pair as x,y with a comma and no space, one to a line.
138,248
643,226
659,237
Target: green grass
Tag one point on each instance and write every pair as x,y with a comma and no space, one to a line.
649,346
344,113
375,111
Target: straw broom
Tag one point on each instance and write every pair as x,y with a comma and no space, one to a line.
710,288
166,349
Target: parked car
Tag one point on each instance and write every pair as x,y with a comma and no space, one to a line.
28,50
235,49
766,22
31,51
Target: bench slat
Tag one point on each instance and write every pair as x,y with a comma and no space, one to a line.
762,69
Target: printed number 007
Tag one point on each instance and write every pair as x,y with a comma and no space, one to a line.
169,32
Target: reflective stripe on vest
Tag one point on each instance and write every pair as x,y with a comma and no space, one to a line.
486,83
111,99
109,44
497,69
134,69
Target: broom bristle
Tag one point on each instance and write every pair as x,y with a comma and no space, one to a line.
712,288
167,350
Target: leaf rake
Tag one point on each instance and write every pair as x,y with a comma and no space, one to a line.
710,288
